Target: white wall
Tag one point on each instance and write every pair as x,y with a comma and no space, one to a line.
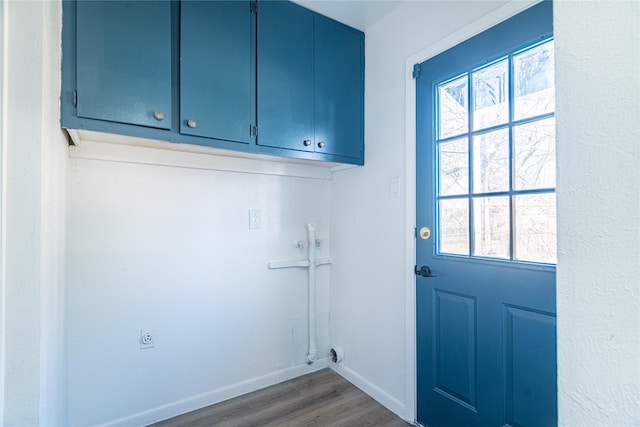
33,173
598,123
169,249
371,294
3,63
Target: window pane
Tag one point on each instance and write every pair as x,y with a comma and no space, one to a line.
534,82
535,228
454,167
491,227
534,155
453,108
491,95
491,162
454,226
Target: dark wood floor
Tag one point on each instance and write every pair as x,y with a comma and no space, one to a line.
323,398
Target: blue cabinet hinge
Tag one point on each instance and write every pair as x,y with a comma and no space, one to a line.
75,98
417,69
254,7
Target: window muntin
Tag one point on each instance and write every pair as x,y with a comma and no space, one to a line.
495,154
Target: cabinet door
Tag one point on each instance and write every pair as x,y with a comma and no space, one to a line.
339,89
285,76
124,61
216,69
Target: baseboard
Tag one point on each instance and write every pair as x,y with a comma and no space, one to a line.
381,396
215,396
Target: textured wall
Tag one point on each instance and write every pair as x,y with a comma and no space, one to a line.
598,123
34,153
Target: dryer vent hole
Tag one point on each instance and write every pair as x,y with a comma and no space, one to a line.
335,355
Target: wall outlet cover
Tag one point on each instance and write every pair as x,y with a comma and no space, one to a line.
147,340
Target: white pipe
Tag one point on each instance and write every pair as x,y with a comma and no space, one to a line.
311,356
311,263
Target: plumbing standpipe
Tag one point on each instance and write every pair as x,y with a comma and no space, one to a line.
312,263
311,230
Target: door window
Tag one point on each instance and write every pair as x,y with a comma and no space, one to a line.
496,159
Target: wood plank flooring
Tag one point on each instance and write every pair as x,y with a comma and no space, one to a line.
322,398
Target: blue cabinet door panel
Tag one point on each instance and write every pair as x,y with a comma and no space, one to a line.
339,89
124,62
285,76
216,70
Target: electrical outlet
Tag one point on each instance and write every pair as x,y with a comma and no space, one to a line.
147,340
255,218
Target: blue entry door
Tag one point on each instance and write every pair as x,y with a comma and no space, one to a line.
486,229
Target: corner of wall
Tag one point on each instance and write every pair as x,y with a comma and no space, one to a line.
53,221
3,51
33,216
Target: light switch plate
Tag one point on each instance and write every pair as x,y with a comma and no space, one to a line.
394,187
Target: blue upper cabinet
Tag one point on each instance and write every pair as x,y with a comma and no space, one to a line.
216,69
268,77
124,62
339,89
310,83
285,76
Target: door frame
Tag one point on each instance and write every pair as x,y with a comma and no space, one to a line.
487,21
3,49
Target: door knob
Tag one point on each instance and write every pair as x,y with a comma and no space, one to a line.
424,271
425,233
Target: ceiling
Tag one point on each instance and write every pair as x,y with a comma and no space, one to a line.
361,14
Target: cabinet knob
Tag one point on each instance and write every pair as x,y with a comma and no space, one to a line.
158,115
321,144
306,142
192,123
